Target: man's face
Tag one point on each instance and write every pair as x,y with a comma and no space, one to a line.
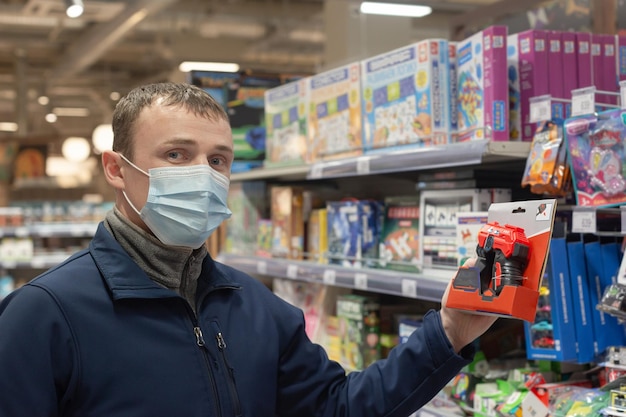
172,136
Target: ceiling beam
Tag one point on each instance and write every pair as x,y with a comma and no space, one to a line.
90,47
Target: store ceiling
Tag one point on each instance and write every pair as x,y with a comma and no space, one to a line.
116,45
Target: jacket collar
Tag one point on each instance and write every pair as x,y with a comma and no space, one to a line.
125,279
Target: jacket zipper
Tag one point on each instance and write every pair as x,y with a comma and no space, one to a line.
221,345
202,345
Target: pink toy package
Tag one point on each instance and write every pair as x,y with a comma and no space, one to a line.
620,57
528,69
609,75
570,77
583,54
555,72
482,105
597,158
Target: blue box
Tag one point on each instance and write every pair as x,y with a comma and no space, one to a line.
550,336
581,300
353,232
606,327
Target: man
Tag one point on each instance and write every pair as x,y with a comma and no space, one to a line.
145,323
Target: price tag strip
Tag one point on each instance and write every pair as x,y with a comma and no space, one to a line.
583,101
584,221
540,108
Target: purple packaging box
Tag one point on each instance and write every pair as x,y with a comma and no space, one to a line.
609,75
528,69
555,72
597,66
570,77
620,57
583,55
482,82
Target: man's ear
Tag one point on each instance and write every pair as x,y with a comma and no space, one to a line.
112,169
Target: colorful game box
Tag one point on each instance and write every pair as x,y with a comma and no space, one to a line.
286,109
482,83
596,156
468,224
287,222
359,324
405,96
248,202
438,222
527,61
399,247
335,128
454,92
353,230
317,236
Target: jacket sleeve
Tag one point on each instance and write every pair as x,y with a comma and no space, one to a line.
35,354
413,373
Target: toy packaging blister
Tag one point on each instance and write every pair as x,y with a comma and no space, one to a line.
512,250
596,156
286,124
334,126
404,96
546,170
482,85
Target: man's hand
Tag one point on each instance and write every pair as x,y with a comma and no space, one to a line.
462,326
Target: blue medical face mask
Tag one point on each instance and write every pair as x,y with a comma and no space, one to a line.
185,204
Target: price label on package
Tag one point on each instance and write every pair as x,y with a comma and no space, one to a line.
409,288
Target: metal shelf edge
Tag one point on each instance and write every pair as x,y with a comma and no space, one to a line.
429,285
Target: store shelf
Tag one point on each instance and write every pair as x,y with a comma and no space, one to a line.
36,262
58,229
429,285
408,159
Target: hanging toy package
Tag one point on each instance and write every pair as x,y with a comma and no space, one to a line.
596,149
546,169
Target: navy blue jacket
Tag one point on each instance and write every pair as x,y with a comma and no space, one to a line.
96,337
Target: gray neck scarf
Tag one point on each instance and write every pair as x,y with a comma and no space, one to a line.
176,268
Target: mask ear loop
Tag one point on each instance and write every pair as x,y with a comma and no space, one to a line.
133,165
124,191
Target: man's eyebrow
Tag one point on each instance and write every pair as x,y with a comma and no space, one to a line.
224,148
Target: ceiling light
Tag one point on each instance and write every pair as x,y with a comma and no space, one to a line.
43,100
71,111
51,117
391,9
115,95
74,8
188,66
8,127
76,149
102,138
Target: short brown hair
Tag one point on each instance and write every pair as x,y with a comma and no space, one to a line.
130,106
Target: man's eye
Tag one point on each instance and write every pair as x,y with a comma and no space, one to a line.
215,161
173,155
